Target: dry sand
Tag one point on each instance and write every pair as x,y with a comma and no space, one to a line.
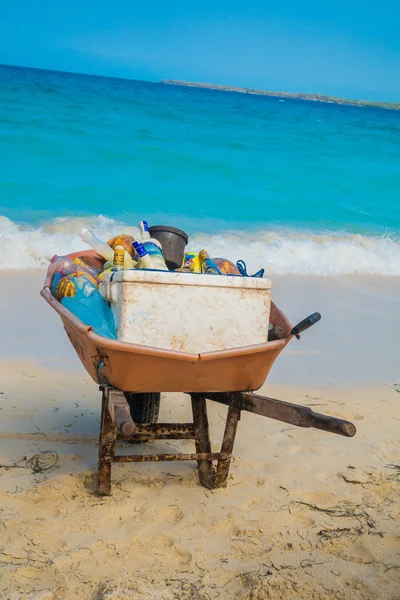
306,514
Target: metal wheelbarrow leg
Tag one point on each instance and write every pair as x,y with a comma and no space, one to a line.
208,476
116,423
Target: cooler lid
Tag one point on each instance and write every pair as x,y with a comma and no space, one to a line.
172,278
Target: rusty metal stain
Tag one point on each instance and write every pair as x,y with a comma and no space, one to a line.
169,457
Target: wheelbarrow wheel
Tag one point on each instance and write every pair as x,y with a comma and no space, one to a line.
144,407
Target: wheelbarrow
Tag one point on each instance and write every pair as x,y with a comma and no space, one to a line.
131,378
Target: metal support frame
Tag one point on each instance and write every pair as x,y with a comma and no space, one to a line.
114,424
117,424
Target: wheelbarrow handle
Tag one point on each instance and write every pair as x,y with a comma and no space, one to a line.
306,323
331,424
295,414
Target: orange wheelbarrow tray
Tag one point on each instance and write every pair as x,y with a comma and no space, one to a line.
136,368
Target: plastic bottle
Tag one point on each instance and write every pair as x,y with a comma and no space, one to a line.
88,306
98,245
67,266
208,265
119,258
103,249
119,261
129,263
191,260
81,263
152,247
145,262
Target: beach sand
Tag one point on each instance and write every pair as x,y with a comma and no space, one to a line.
306,514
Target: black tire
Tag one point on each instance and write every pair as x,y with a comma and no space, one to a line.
144,407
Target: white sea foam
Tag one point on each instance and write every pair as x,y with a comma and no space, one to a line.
285,252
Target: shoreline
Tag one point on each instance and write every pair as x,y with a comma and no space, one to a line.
323,98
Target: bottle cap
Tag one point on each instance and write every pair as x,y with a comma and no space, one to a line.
140,249
144,230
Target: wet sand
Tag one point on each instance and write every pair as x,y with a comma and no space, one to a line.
306,514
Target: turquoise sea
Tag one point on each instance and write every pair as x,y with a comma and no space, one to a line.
294,186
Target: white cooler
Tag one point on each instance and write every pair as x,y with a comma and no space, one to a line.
188,312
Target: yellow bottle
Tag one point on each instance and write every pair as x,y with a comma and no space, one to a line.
207,264
124,261
119,258
192,261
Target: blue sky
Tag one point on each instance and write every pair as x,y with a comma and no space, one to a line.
346,48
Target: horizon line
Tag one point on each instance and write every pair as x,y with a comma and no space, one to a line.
204,85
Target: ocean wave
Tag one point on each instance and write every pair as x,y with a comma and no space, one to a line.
279,252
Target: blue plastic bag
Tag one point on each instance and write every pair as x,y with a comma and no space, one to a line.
89,306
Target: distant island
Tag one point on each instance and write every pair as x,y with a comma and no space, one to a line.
309,97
